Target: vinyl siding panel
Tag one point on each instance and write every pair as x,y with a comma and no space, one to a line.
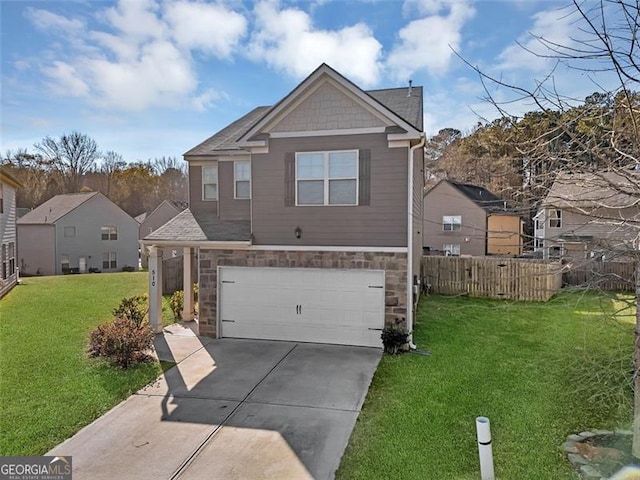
418,203
228,207
8,232
37,249
382,223
196,204
443,199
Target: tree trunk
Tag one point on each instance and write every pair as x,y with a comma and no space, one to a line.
635,449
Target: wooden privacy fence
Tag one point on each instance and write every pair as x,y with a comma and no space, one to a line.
508,278
601,275
172,274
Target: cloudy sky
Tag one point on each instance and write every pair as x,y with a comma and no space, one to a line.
153,78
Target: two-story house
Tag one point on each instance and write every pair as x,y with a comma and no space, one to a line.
589,215
8,248
77,233
306,217
465,219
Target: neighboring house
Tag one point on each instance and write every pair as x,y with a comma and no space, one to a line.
8,246
306,217
589,215
150,222
76,232
463,219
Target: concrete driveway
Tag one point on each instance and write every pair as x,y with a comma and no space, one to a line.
231,409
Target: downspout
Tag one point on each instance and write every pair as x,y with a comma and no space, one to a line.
410,242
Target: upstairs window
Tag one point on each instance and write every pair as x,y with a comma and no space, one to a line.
210,183
327,178
555,218
108,233
71,232
242,180
452,223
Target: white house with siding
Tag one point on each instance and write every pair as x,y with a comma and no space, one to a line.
76,233
8,186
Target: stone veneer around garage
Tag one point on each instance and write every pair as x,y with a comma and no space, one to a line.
394,265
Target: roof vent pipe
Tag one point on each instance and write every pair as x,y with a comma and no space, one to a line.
410,88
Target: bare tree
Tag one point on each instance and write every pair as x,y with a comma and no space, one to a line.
112,163
595,141
72,155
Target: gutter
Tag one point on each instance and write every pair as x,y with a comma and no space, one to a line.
412,345
197,243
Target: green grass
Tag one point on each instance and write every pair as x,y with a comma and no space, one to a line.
49,389
538,371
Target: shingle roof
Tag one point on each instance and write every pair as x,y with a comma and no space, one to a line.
226,139
140,218
482,197
398,100
408,107
55,208
190,227
590,190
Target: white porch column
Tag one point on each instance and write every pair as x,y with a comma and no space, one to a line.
155,288
187,285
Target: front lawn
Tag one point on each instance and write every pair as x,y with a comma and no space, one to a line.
538,371
49,389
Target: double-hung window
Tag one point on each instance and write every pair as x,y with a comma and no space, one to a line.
451,249
210,183
109,261
108,233
242,179
555,218
451,223
327,178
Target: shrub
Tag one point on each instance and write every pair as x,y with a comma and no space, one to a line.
133,308
176,302
394,338
122,342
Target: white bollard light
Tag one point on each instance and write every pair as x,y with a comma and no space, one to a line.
485,450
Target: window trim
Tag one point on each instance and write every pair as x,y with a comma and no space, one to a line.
451,254
112,263
112,233
452,223
557,218
236,180
326,179
68,228
217,184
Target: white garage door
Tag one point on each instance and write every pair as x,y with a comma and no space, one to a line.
302,304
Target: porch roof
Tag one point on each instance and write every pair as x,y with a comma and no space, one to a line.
188,226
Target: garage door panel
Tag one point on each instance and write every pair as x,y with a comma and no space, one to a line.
307,305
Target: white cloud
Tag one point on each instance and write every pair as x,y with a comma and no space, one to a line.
141,55
287,40
65,80
160,77
427,43
46,20
208,27
554,25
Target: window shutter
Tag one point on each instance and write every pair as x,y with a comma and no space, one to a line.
289,179
364,177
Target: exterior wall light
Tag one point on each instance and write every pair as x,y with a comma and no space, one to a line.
298,232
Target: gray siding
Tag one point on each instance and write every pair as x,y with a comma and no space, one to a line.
228,207
443,199
196,204
88,219
382,223
8,234
37,249
418,204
